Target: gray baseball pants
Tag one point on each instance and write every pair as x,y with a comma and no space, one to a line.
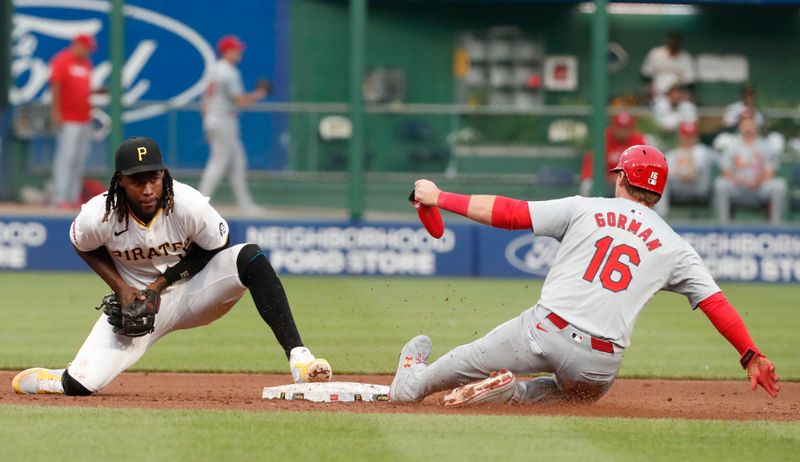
772,191
530,343
227,157
69,162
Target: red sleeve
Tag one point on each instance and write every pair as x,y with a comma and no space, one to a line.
511,213
452,202
728,322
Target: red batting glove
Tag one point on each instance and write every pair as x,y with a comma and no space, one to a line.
761,371
430,217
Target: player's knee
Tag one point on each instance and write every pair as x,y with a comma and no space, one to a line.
251,263
72,387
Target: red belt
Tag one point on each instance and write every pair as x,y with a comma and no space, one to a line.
597,344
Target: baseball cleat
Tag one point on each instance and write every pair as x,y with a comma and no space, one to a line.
413,358
306,368
38,380
497,388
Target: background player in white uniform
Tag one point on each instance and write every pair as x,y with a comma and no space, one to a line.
615,254
149,231
667,65
223,97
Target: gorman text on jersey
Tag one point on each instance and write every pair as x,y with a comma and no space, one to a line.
618,220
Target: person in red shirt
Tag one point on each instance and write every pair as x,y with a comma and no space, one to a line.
70,84
619,136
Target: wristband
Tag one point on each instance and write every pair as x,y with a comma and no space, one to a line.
748,356
452,202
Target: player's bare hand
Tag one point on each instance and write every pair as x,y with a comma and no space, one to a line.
426,192
761,371
127,294
55,118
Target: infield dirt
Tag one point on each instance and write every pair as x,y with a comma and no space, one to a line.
679,399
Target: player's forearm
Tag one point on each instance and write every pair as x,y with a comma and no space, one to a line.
55,103
99,260
248,99
477,208
496,211
728,322
192,263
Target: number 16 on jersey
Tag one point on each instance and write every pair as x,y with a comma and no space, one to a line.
615,275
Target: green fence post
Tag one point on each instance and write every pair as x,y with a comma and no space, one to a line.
117,54
599,95
358,19
6,12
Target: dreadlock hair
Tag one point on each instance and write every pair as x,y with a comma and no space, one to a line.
117,202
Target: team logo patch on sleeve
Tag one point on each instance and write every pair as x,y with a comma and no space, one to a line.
222,229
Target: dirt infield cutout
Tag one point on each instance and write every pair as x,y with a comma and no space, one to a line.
680,399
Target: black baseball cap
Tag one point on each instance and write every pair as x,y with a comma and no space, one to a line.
138,154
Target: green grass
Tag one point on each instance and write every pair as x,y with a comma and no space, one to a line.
42,433
359,324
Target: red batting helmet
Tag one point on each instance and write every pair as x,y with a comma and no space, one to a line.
645,167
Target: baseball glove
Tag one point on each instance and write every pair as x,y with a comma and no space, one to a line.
136,319
264,84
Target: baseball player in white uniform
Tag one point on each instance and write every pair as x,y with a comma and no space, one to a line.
667,65
615,254
149,232
223,97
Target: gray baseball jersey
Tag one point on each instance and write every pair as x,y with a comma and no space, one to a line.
615,254
224,87
748,162
221,124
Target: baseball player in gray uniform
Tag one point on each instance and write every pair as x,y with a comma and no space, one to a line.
221,102
615,254
150,237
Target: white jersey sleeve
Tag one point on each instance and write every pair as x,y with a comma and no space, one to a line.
691,278
552,218
88,232
202,224
231,81
649,64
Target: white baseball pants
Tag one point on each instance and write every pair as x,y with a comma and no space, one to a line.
195,302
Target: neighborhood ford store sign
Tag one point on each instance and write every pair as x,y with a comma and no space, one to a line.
740,254
405,249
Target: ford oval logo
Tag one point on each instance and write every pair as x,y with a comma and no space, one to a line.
38,37
532,254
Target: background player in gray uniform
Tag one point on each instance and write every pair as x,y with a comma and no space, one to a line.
221,102
615,254
149,232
